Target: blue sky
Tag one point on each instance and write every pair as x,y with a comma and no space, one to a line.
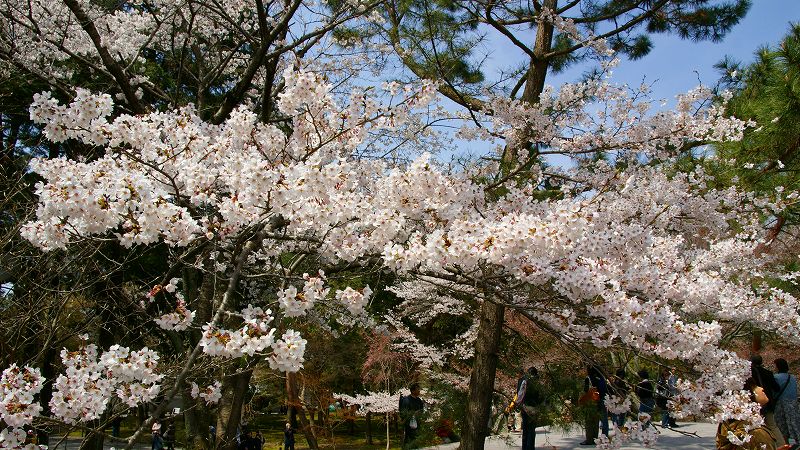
678,64
674,65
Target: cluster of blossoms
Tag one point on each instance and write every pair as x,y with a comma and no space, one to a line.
295,304
381,402
617,405
88,383
568,27
404,341
423,302
11,437
255,335
18,386
178,320
288,352
354,300
636,430
211,393
374,402
133,372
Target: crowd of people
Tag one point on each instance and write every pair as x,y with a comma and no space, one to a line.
246,439
775,392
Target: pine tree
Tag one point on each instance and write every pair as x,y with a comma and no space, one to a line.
766,92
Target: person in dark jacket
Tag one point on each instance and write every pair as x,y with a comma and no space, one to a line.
530,398
663,395
410,408
288,437
169,438
619,388
766,380
646,393
597,416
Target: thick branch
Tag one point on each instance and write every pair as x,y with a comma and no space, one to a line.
628,25
111,64
235,96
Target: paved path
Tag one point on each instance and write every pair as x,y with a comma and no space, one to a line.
559,440
680,439
73,443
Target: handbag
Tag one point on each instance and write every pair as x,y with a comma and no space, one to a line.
592,395
413,423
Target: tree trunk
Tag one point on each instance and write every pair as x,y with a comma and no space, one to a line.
234,389
755,345
388,440
537,71
481,382
369,428
197,420
297,406
93,441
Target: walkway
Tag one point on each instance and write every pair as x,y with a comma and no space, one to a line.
678,439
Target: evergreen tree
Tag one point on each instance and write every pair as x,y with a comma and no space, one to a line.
767,92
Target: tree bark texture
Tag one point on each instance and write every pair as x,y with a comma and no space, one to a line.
481,382
197,420
234,389
537,72
296,405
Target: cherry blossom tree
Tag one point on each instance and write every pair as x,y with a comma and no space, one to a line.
236,137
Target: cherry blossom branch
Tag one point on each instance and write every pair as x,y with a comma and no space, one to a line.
252,245
123,81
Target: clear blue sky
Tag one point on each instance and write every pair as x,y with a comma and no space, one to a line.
679,65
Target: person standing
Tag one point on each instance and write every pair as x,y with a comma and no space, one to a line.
663,395
618,387
672,385
288,437
157,443
766,380
115,426
529,398
646,394
169,437
597,415
260,439
410,408
787,412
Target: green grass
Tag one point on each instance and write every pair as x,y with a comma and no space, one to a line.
339,437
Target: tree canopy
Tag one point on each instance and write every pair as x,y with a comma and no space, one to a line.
201,186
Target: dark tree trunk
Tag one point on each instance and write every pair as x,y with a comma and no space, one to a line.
234,389
93,441
49,374
291,414
369,428
481,382
297,406
755,345
197,420
537,72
